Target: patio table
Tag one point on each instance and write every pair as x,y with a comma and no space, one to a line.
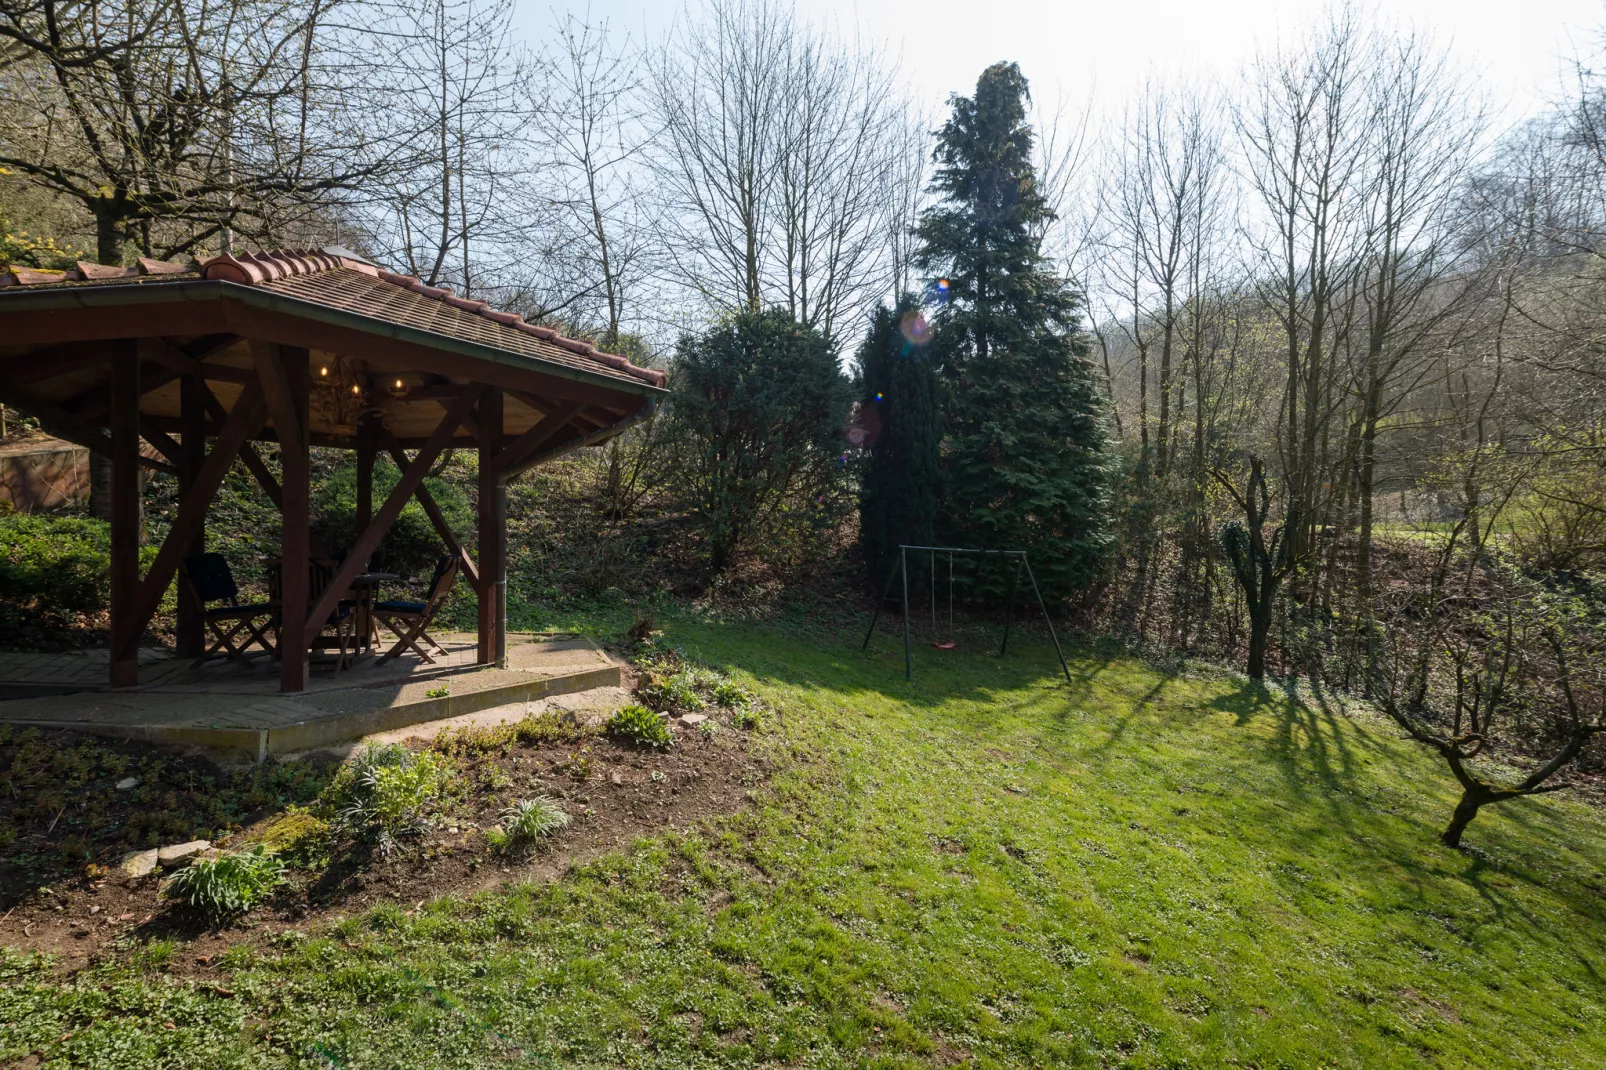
363,587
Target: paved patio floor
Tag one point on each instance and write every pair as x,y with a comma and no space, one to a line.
224,706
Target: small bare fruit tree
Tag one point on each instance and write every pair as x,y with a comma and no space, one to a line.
1510,702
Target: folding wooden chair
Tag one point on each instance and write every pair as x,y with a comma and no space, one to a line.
234,628
409,619
343,618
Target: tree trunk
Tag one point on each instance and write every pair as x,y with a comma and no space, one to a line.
1465,811
100,486
1259,639
1365,490
108,234
1163,432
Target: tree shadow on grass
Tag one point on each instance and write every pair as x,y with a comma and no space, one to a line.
1509,910
1319,737
1316,735
973,675
1123,724
1321,752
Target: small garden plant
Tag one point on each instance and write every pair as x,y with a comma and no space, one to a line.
386,792
530,821
673,684
637,725
729,695
229,885
678,692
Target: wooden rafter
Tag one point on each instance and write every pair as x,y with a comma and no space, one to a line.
536,437
55,360
93,404
64,425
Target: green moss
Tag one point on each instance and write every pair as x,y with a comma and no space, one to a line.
300,837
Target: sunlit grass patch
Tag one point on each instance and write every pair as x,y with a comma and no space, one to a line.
1143,868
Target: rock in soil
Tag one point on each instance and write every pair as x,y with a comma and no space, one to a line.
181,854
137,864
128,783
693,719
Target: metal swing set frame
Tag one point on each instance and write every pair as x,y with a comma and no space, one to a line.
902,569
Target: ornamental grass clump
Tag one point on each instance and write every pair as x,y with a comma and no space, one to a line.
637,725
229,885
530,821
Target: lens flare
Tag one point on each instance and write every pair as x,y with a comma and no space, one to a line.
916,328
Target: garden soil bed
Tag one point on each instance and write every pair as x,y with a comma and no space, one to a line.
53,901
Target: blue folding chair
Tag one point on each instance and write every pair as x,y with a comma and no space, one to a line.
409,619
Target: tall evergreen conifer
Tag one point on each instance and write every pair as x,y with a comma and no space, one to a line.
1025,463
899,403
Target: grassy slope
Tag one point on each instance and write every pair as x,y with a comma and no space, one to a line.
1139,869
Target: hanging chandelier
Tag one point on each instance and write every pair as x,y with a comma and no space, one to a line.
339,393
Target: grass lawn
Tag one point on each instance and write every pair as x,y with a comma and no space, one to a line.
986,866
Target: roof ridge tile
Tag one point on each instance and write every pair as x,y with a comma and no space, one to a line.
87,270
151,266
254,269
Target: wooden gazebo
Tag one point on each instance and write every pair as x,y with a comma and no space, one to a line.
299,348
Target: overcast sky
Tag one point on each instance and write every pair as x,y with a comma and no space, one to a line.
1074,47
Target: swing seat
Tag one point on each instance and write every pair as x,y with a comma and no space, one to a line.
943,646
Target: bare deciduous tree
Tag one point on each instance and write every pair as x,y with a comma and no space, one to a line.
177,122
592,118
455,71
1304,131
776,142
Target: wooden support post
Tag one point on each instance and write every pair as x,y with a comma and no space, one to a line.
283,374
368,429
190,638
493,535
295,459
125,518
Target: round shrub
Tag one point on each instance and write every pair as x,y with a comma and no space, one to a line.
410,547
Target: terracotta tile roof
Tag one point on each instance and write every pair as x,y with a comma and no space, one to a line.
354,286
361,288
